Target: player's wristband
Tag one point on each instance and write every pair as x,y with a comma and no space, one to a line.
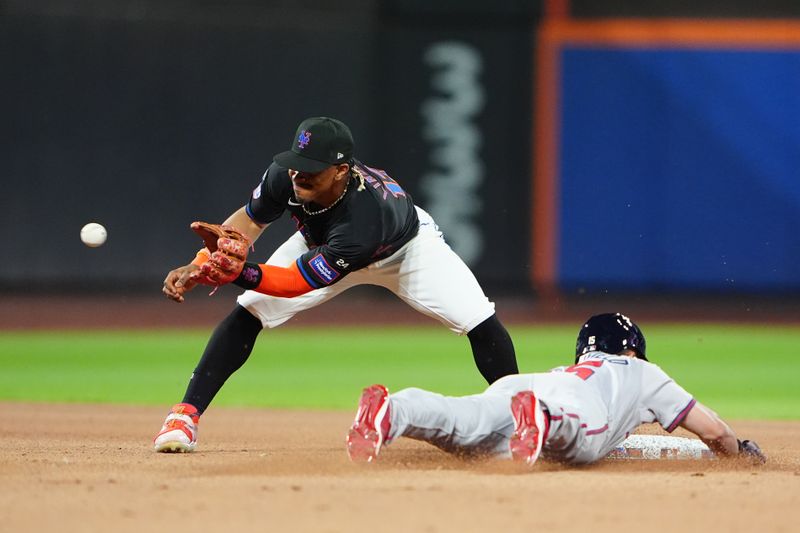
250,278
202,257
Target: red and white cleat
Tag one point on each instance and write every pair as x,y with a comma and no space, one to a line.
371,426
179,432
530,427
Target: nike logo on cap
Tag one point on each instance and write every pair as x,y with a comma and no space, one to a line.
292,202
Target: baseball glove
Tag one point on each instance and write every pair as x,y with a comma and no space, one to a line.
749,449
229,248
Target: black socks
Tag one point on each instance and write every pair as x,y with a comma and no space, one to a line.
493,350
227,350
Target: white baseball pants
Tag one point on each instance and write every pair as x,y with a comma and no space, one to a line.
425,273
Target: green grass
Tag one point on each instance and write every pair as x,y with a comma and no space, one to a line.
740,371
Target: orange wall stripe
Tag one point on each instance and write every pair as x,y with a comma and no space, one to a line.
693,33
544,208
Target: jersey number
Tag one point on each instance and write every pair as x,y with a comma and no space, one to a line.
584,370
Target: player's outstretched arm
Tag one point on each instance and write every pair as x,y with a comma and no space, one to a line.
712,430
718,436
180,280
242,221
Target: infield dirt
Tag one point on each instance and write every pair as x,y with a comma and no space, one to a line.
80,468
86,468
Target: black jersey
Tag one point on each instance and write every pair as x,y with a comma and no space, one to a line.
364,227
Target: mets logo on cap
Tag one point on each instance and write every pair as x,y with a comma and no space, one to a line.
304,138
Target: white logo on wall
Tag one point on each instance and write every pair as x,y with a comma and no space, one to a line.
455,172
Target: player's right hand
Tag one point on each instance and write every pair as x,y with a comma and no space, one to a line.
178,282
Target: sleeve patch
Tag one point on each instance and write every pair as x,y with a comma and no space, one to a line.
323,269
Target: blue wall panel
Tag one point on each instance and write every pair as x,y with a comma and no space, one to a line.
680,169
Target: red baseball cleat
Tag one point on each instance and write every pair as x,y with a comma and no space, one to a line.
179,432
530,427
371,426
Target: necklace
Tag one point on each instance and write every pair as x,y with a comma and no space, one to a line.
320,211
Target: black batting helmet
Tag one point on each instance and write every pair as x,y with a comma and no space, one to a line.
610,333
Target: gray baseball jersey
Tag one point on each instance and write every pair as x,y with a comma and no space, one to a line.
593,406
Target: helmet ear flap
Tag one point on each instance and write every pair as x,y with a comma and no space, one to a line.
585,345
638,342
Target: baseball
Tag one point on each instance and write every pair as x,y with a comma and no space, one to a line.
93,234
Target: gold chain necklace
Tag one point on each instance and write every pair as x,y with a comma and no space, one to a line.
320,211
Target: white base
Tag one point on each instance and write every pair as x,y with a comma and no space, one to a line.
661,447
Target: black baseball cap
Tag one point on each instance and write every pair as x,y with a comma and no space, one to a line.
318,143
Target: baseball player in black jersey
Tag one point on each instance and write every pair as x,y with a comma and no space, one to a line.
355,225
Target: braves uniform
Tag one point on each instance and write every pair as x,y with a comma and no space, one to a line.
371,236
592,405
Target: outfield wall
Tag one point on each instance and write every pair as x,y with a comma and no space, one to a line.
517,125
672,155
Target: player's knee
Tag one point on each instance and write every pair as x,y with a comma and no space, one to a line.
243,320
490,329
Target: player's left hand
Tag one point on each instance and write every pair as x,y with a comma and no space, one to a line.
179,281
749,449
229,248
